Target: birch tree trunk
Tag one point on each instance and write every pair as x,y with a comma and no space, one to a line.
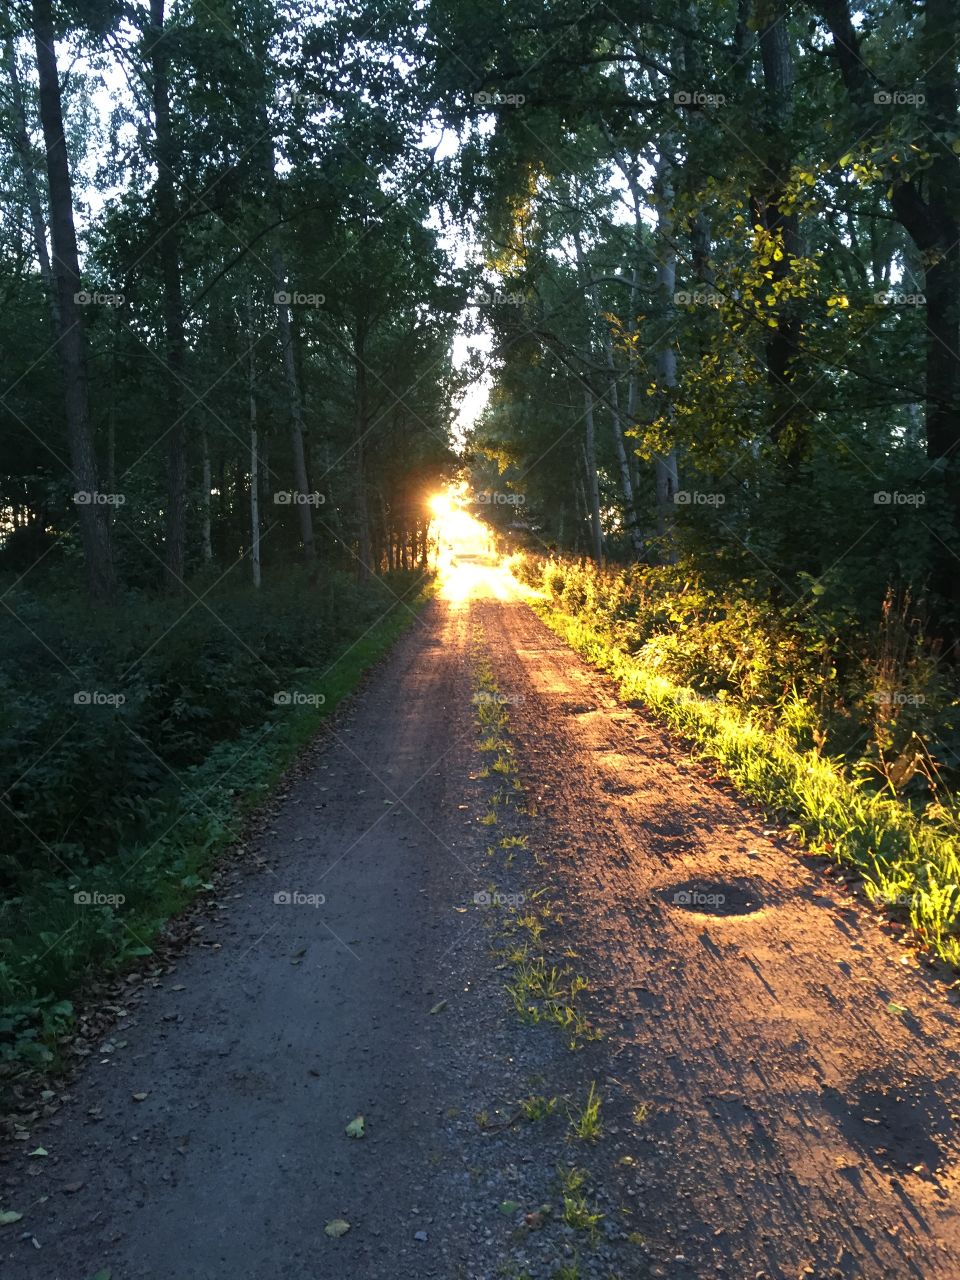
254,448
665,465
593,480
21,145
613,403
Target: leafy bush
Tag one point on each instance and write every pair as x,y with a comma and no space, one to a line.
816,673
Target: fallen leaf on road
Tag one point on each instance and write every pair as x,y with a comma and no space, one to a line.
40,1151
509,1207
355,1128
9,1216
336,1228
139,1097
71,1187
439,1006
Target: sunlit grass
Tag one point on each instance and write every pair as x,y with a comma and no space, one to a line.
576,1211
905,860
585,1124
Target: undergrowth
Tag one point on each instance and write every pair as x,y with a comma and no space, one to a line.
908,853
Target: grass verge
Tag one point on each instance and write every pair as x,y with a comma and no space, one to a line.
910,865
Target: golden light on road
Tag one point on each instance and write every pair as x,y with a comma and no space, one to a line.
468,563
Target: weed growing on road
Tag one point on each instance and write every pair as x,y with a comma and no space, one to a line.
586,1124
546,993
569,1271
641,1112
540,992
537,1106
576,1212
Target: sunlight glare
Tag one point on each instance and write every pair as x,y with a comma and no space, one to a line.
468,564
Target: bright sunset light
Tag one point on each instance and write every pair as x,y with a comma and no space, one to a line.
468,563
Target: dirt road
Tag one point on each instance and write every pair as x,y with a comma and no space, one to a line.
779,1089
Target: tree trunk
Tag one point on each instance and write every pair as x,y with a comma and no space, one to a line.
613,403
254,448
21,144
930,214
239,485
295,402
783,340
665,465
254,491
207,482
361,415
593,480
168,245
94,529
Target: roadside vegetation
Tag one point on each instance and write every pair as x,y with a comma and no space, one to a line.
127,766
850,748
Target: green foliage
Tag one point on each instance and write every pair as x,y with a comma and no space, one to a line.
908,853
134,798
585,1123
824,677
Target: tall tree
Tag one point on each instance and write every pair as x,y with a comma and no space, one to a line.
71,345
